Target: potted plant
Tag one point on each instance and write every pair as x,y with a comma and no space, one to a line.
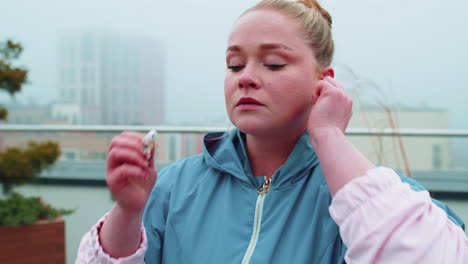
31,231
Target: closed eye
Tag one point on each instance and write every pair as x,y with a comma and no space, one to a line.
275,67
236,68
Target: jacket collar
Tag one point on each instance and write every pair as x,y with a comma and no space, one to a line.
227,152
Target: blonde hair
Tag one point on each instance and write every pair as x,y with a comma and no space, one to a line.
315,21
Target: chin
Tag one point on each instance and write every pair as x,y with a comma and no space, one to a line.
259,128
250,126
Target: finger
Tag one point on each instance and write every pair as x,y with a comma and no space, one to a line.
334,82
323,86
123,173
126,143
147,180
137,185
331,87
318,91
133,134
150,175
119,156
326,88
130,136
151,154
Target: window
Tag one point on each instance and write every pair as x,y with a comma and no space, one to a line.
174,147
87,47
436,157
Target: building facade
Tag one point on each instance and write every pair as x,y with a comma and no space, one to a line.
416,153
114,79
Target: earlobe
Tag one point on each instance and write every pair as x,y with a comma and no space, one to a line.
328,71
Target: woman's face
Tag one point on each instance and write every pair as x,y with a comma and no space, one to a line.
271,74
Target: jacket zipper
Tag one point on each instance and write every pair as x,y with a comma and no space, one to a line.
257,220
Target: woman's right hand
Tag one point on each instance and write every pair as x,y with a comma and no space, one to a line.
130,175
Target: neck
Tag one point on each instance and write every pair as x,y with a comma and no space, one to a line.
267,154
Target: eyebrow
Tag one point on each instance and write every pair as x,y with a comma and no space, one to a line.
266,46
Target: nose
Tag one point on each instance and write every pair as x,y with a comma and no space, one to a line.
248,80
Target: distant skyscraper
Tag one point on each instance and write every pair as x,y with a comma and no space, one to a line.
114,79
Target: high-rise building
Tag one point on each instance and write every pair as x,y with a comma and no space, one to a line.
114,79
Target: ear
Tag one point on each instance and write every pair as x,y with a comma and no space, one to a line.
328,71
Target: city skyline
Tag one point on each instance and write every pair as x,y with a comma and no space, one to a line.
414,55
112,78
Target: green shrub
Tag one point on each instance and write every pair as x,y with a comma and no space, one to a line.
22,164
19,165
17,210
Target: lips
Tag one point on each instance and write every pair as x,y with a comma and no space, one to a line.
248,101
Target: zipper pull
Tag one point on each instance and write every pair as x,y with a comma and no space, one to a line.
264,188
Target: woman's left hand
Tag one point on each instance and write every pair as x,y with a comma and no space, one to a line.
332,107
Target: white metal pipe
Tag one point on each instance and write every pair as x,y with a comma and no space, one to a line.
407,132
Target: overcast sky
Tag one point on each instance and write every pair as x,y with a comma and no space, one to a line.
414,50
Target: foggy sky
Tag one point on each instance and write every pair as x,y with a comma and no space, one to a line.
415,51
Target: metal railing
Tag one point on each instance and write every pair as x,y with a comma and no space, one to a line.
86,172
407,132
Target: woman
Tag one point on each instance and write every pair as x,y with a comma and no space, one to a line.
258,194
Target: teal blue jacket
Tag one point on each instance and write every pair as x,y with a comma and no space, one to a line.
207,209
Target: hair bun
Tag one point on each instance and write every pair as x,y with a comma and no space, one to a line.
315,5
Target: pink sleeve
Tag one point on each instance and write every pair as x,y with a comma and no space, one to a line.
90,250
382,220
